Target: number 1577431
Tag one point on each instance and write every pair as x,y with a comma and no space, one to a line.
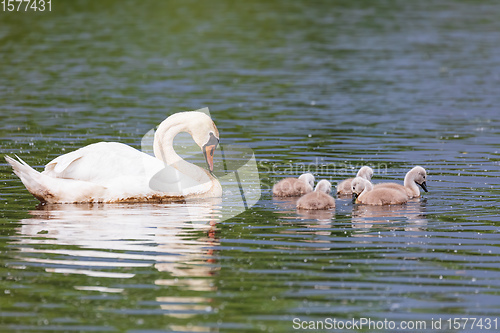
26,5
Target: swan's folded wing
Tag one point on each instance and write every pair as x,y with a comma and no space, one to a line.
101,163
58,165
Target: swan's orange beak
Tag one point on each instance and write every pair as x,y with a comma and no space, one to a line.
209,150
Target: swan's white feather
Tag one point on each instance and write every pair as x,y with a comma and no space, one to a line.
102,163
48,189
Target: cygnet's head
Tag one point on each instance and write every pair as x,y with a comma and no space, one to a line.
358,185
324,186
419,176
307,178
366,172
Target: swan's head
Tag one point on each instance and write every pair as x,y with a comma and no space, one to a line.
324,186
197,124
205,135
308,178
358,185
419,176
366,172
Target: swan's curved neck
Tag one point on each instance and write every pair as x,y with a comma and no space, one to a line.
163,146
410,182
191,179
368,188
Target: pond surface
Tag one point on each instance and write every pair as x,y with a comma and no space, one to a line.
325,86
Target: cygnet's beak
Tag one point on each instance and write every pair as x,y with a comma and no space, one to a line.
424,186
209,150
354,197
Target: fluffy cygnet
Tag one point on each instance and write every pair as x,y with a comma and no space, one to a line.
344,187
319,199
414,177
364,193
294,187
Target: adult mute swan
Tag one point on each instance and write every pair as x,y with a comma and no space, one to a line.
364,193
114,172
414,177
319,199
294,187
344,187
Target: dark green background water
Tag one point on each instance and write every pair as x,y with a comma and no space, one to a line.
335,84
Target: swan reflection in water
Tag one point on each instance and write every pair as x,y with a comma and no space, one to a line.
287,207
109,241
315,222
365,217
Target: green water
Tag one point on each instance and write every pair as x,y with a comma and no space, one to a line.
325,86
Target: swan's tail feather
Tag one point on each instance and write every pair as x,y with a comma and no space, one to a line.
20,160
29,176
21,168
56,190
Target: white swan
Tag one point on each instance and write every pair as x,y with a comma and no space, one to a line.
415,176
115,172
364,193
344,187
319,199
